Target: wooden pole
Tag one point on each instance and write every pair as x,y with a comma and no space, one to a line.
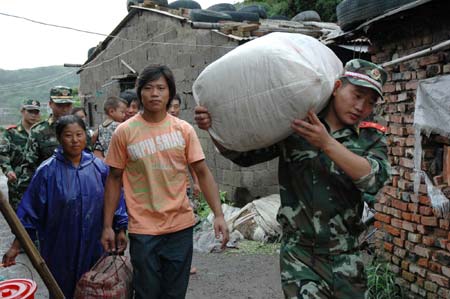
28,246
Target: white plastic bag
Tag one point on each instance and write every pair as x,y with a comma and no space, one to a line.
255,91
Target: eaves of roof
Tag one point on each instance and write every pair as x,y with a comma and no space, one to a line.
361,29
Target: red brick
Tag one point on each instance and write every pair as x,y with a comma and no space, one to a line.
424,230
446,170
378,225
409,226
398,242
413,207
427,211
389,87
404,265
388,247
439,279
442,243
398,204
405,185
444,224
415,218
396,222
443,293
408,276
408,163
446,271
423,262
391,191
406,216
429,221
425,200
408,119
428,240
398,151
415,238
392,230
440,233
411,85
383,217
430,59
435,267
422,251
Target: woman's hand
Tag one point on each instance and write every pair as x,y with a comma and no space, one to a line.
9,258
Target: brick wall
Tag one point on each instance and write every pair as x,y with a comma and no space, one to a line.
414,241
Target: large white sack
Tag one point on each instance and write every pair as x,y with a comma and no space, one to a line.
255,91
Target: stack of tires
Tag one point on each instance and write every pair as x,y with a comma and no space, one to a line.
227,12
351,13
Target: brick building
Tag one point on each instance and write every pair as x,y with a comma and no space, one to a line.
147,36
412,42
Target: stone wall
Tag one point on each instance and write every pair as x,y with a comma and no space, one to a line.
187,52
411,237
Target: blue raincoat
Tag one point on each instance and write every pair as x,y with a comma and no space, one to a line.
64,205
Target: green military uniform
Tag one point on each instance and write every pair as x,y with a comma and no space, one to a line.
12,146
42,141
321,209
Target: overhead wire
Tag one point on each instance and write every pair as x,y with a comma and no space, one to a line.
35,81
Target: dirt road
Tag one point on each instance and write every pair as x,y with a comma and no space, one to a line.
225,275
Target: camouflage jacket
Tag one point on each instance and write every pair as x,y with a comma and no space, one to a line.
321,206
12,146
40,146
105,132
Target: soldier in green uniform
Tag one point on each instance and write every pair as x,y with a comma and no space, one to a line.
42,141
324,169
12,145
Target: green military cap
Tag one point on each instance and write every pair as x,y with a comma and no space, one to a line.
61,95
30,104
367,74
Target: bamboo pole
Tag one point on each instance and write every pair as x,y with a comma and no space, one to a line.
28,245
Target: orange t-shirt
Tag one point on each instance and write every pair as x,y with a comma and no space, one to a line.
154,157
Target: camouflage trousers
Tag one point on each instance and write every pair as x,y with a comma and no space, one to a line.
306,275
15,194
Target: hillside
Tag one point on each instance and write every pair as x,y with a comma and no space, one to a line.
33,83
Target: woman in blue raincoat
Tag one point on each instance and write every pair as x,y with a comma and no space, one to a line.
64,206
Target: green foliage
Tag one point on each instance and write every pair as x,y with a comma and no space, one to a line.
381,282
289,8
203,209
34,83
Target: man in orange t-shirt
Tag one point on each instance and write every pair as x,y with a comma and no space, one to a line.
150,153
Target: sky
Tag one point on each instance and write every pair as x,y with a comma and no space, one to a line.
27,45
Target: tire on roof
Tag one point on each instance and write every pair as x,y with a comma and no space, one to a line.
351,13
91,51
259,9
184,4
222,7
307,15
240,16
208,16
279,17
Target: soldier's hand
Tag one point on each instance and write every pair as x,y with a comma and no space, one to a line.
11,175
313,130
202,117
9,258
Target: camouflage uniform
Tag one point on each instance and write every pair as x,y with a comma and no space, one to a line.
321,210
42,141
12,147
